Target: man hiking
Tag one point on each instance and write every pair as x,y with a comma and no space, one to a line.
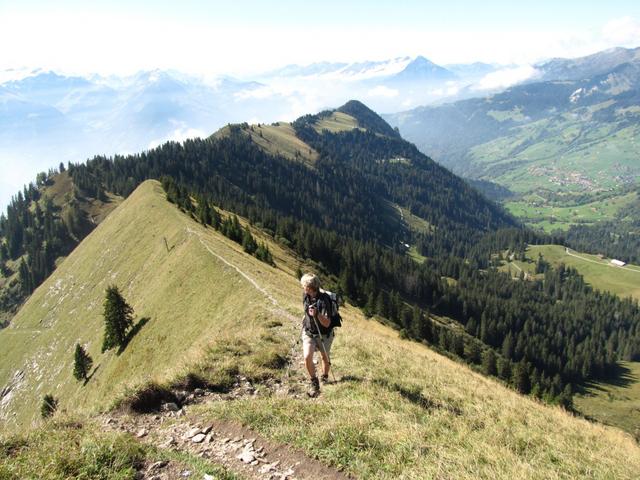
316,329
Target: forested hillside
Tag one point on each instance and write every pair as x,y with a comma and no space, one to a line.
43,222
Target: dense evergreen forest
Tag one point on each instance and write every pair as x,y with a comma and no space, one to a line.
542,336
35,233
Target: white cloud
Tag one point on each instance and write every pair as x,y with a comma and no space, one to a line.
506,77
623,31
382,91
259,93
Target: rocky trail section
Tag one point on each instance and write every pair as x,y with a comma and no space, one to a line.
236,447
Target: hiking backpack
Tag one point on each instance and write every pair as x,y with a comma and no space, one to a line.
336,318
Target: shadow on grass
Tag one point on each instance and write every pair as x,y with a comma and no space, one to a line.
132,333
619,376
86,380
415,396
349,378
411,393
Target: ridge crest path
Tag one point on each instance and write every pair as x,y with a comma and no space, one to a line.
237,447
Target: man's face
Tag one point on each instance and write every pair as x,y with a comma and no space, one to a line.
312,292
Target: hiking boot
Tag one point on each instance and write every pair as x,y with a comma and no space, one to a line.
314,389
324,379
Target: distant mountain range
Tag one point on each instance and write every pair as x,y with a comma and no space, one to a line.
47,117
577,129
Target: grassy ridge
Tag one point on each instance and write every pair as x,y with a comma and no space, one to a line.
280,138
336,122
191,303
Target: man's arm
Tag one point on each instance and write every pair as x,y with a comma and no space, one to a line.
324,320
320,315
323,315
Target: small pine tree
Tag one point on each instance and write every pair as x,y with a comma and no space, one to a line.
473,352
504,369
520,378
117,319
262,253
215,217
565,399
82,363
489,362
458,345
248,242
49,406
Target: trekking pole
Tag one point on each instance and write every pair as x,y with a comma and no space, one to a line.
323,349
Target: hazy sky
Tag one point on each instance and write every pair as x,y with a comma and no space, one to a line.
247,36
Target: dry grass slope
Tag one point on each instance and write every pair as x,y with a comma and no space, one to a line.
277,139
400,410
337,122
280,138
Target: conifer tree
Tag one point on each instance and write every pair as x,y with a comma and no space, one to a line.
473,352
26,280
521,378
264,254
504,369
117,319
248,242
489,362
82,363
49,406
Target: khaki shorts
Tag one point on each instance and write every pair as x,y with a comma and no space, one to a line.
313,343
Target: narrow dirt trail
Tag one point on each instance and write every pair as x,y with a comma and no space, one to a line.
295,351
237,447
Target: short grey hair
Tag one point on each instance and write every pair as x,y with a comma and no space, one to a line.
310,280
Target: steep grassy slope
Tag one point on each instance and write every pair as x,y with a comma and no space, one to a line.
185,299
280,138
77,214
397,409
276,139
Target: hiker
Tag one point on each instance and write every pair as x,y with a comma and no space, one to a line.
317,315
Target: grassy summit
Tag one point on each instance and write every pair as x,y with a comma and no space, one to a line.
397,410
